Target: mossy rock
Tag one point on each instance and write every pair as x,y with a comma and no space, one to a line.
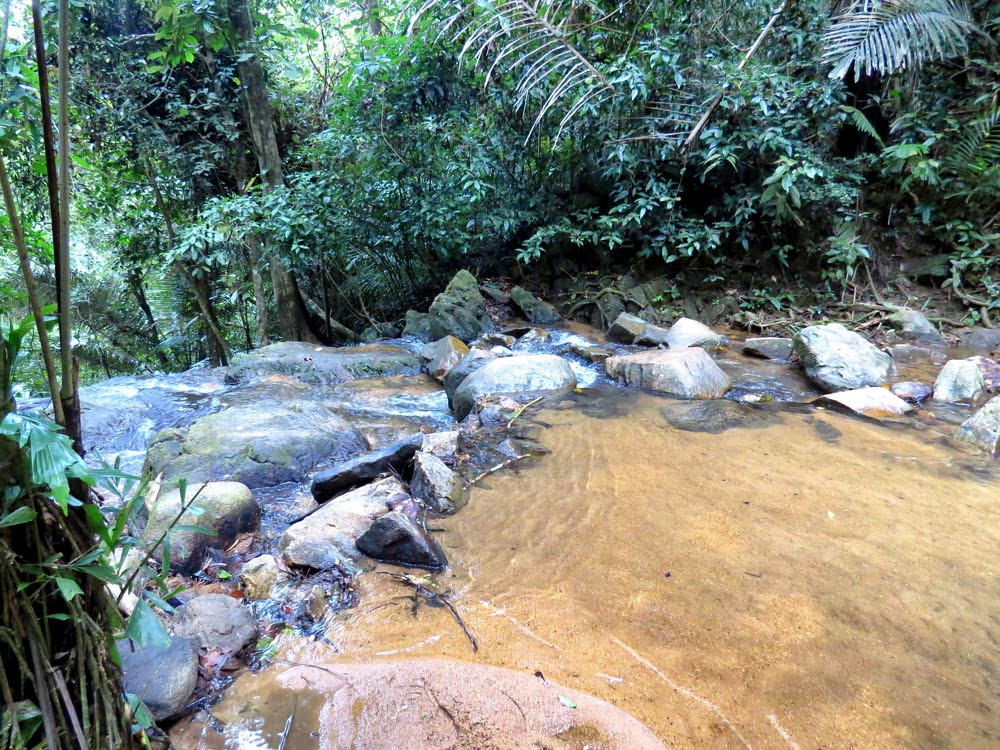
460,310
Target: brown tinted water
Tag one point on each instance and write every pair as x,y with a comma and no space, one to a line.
781,587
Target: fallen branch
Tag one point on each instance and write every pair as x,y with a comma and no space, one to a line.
497,468
520,411
419,589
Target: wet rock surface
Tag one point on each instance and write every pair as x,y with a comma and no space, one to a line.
914,325
960,380
215,621
982,429
718,416
535,310
689,373
522,377
436,485
398,538
626,328
768,347
364,468
323,365
163,678
686,332
841,360
442,355
869,402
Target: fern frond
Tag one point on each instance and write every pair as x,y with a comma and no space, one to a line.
887,36
533,41
862,123
977,151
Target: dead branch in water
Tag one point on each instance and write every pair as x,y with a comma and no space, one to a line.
497,468
520,411
420,588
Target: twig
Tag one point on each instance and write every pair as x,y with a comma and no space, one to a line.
498,467
520,411
421,590
74,719
288,725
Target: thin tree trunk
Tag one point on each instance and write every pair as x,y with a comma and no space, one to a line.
259,293
139,292
291,310
48,137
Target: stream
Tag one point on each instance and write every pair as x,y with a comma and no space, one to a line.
814,580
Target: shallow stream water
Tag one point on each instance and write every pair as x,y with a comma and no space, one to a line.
820,582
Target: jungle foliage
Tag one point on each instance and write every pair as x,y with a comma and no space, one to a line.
550,136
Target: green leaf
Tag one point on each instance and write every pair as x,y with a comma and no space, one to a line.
140,714
566,702
68,587
18,516
224,575
145,628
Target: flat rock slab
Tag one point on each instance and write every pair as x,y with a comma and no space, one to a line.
717,416
689,373
259,445
365,468
431,704
325,539
768,347
324,365
877,403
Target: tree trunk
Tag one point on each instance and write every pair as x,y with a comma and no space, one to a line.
291,311
139,292
255,254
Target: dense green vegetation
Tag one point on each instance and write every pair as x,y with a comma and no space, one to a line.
249,172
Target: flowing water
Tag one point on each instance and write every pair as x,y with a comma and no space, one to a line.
820,581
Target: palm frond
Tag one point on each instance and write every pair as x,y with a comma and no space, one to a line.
887,36
533,41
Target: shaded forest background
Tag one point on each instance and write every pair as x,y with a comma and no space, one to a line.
250,171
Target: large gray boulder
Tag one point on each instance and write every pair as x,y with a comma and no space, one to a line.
689,373
162,678
436,485
535,310
768,347
914,325
837,359
626,328
522,377
324,365
959,381
226,508
366,467
418,325
261,445
687,332
983,427
460,310
325,538
216,621
474,360
397,538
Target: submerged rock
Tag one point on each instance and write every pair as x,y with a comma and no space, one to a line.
325,538
323,365
690,373
364,468
591,352
522,377
983,427
216,621
226,508
397,538
911,391
534,309
440,488
768,347
686,332
162,678
837,359
442,355
717,416
259,577
960,381
914,325
626,328
460,310
260,445
869,402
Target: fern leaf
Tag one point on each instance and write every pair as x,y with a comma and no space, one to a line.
862,123
977,151
887,36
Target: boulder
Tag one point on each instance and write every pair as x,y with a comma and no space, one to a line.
460,310
912,391
689,373
418,325
436,485
837,359
717,415
444,445
652,335
325,538
226,508
983,427
323,365
260,445
471,362
984,338
914,325
990,370
869,402
259,577
522,377
534,309
591,353
396,538
161,677
687,332
365,468
959,381
626,328
768,347
442,355
215,621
